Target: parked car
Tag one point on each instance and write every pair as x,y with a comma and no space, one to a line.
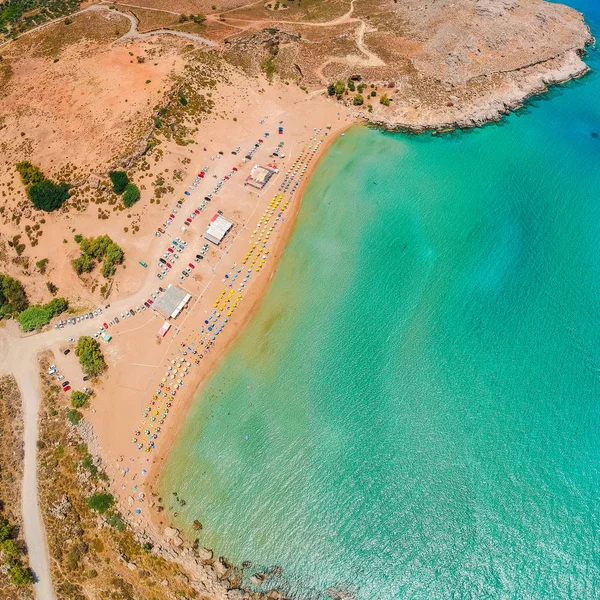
191,265
186,193
67,389
66,352
65,383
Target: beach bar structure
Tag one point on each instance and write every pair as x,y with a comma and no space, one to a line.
172,302
259,176
217,229
163,330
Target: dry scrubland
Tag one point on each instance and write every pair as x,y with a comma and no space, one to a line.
11,474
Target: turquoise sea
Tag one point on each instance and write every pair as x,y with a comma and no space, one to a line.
420,388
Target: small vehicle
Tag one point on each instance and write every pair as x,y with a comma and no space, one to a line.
168,265
150,301
188,220
91,316
235,169
116,320
66,352
85,377
188,269
220,212
260,141
71,340
162,260
86,390
132,313
65,383
146,305
205,169
197,211
172,216
169,249
161,230
67,389
159,275
234,152
105,325
157,234
191,266
143,264
187,193
60,377
181,277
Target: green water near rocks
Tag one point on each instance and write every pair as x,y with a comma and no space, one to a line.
420,388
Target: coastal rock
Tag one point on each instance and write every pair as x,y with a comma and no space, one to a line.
170,532
220,569
93,181
176,541
196,525
259,578
205,554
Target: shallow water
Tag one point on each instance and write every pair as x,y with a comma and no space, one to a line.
420,388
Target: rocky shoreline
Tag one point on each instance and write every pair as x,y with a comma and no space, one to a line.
520,85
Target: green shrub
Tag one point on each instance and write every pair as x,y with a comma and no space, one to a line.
78,237
116,520
74,416
56,306
119,181
79,399
47,195
93,249
384,100
358,100
88,464
331,89
100,502
18,575
13,298
9,549
34,317
131,195
41,265
340,88
90,356
29,173
6,530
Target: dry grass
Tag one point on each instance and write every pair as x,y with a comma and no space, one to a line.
149,20
96,27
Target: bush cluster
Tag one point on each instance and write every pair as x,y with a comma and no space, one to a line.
96,249
13,298
90,356
10,554
44,193
131,195
119,181
35,317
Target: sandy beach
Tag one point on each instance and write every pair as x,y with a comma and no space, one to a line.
136,356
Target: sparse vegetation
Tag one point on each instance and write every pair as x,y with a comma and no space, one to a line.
383,99
90,356
358,100
100,502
